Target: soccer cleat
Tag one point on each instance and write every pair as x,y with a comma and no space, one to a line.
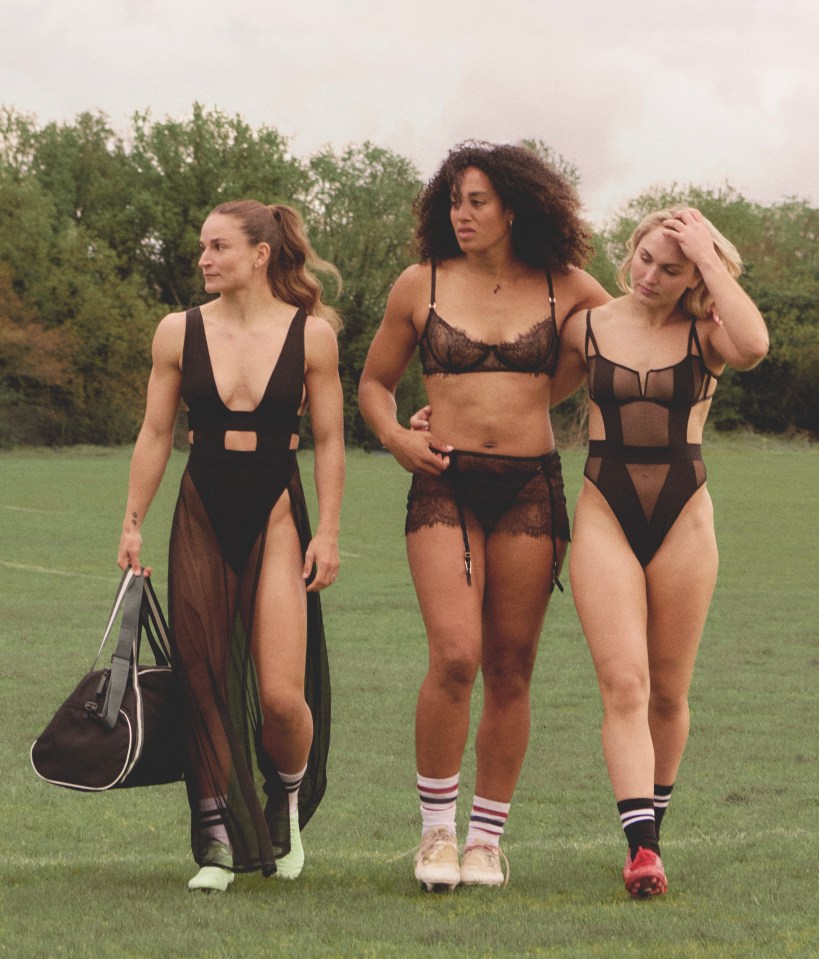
644,875
436,862
216,872
480,866
290,866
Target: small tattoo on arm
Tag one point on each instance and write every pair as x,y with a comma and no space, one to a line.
134,518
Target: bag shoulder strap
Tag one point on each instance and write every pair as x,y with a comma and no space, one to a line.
127,652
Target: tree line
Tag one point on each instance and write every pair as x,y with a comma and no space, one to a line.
99,235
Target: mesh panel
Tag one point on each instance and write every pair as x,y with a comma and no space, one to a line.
644,424
625,383
648,483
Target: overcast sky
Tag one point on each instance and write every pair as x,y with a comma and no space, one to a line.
636,93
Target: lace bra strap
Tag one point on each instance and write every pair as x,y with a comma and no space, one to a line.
552,303
432,288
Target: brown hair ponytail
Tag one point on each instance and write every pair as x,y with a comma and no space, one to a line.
293,264
293,267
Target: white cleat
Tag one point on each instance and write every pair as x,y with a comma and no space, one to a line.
481,866
436,862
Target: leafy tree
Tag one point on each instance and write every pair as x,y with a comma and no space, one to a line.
359,211
184,169
34,371
99,237
107,325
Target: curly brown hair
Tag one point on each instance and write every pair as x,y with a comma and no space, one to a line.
547,233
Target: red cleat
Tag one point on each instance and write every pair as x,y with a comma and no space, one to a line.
644,875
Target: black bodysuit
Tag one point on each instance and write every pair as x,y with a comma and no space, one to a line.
520,495
645,467
216,550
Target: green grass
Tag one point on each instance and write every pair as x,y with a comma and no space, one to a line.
104,876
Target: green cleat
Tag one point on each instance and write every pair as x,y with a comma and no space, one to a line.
216,873
291,865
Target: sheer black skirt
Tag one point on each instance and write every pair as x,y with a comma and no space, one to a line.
216,550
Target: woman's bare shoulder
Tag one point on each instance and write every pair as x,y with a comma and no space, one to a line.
169,336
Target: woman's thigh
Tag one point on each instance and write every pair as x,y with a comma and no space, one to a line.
680,581
450,607
517,592
279,640
609,590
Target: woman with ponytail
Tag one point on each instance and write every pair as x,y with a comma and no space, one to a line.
245,570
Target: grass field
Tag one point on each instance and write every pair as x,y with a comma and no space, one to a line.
104,876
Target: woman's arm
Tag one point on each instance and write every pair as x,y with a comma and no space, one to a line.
571,365
584,293
155,440
326,404
388,357
741,338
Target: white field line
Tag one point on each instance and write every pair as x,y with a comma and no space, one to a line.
47,571
44,570
35,509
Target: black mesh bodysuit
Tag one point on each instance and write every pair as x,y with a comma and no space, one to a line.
645,467
216,550
519,495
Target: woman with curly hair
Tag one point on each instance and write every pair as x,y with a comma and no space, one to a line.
501,248
644,557
244,569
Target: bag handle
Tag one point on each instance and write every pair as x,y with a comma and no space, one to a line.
127,651
122,590
156,629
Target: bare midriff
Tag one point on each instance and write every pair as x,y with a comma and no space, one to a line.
502,413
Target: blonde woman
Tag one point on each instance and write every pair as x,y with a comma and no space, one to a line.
643,562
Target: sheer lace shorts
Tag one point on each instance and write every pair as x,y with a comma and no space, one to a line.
521,496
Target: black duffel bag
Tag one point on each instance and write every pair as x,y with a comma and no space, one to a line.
121,726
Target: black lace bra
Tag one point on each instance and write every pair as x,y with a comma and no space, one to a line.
446,349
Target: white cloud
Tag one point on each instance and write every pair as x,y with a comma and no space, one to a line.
634,94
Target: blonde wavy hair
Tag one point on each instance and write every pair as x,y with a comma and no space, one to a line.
294,264
696,302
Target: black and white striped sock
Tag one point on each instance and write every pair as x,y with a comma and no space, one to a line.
291,782
662,796
637,818
211,819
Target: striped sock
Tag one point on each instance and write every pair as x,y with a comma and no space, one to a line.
439,798
637,817
212,819
486,822
662,797
291,782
